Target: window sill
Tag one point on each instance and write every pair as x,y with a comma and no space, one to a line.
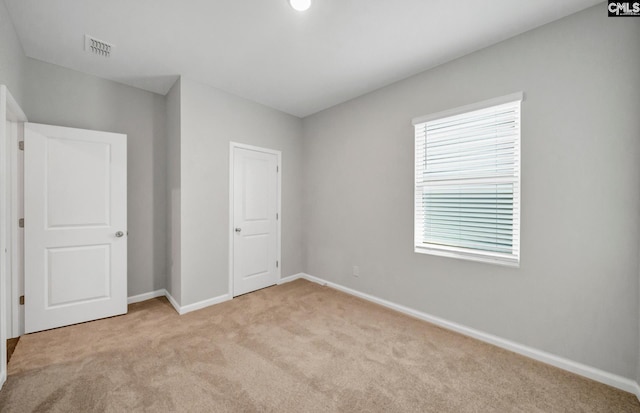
467,257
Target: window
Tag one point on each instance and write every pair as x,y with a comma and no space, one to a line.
467,182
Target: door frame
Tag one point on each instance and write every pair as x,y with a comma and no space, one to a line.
11,115
17,233
232,147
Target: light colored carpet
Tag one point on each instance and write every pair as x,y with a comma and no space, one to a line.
298,347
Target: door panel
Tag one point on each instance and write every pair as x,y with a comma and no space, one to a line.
76,274
255,209
75,226
89,190
255,255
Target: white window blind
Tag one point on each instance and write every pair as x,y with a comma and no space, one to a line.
467,182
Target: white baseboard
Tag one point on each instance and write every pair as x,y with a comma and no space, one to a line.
201,304
204,303
601,376
173,301
292,278
146,296
179,309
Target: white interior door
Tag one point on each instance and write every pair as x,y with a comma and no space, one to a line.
255,197
75,200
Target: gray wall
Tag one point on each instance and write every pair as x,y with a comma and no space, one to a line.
173,123
59,96
576,292
12,59
210,119
55,95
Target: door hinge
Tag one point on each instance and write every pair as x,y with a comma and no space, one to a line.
21,223
22,300
277,168
277,216
21,145
277,263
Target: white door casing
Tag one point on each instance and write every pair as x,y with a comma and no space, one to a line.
17,233
4,248
255,220
11,116
75,225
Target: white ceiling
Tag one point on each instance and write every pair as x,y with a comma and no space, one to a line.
265,51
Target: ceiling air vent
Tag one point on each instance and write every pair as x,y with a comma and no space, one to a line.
97,47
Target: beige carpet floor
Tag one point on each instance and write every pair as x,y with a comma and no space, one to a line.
298,347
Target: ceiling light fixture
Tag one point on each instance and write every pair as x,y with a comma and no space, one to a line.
300,5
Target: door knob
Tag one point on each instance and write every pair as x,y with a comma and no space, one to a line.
238,229
119,234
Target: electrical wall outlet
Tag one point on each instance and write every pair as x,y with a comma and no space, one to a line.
356,271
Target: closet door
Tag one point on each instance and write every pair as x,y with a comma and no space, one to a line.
255,219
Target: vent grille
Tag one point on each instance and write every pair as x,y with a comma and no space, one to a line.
97,47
